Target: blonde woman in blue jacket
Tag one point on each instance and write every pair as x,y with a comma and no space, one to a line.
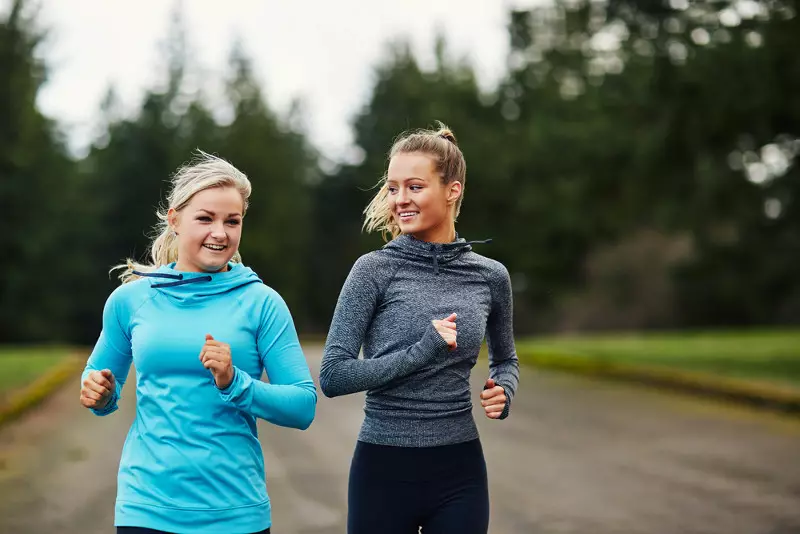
201,328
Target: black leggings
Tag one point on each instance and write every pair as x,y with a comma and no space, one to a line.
396,490
139,530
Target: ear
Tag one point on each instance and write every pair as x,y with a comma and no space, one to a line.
453,192
172,220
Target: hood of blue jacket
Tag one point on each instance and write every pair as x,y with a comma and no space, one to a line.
190,286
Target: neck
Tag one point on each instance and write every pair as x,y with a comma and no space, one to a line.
194,269
444,233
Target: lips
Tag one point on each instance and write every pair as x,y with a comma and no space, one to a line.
214,248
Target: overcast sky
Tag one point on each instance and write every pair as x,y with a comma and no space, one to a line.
320,51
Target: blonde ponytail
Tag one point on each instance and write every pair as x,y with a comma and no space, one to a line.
378,216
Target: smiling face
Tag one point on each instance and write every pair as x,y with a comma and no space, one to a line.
419,202
209,229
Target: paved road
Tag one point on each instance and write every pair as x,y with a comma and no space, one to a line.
576,456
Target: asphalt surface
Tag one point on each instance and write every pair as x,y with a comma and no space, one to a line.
576,456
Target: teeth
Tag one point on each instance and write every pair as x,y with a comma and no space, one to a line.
408,213
214,247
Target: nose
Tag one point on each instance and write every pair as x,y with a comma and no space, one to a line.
402,196
218,231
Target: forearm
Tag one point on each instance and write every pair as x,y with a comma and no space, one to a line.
289,405
503,360
505,373
342,372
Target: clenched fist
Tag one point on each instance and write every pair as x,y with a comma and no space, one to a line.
97,389
493,399
216,357
447,329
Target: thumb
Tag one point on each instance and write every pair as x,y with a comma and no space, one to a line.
209,337
107,374
451,317
489,383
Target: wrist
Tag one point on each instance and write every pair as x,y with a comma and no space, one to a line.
222,385
104,401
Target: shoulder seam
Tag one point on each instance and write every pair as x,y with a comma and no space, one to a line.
136,311
391,279
488,283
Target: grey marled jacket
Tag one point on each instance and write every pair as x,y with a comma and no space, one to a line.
418,392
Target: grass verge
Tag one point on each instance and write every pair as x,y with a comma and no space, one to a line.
761,368
29,375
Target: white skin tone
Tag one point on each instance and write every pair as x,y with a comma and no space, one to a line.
424,207
209,230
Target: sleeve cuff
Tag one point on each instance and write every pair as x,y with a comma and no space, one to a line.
432,343
507,407
109,408
235,388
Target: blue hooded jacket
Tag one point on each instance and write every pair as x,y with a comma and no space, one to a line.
192,461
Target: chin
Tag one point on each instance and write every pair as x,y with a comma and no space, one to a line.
408,228
414,229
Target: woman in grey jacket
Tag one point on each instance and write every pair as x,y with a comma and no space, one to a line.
421,307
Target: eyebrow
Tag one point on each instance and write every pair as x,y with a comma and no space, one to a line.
212,213
407,179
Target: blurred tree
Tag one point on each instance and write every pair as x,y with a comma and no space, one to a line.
634,153
282,168
662,106
34,177
124,175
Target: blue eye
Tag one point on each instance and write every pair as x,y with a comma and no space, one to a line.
392,190
416,187
204,218
233,222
